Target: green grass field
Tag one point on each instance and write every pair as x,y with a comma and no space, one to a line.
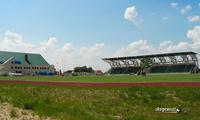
74,103
77,103
122,78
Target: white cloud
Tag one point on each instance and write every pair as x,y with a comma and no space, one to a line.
194,18
131,14
66,56
141,47
52,41
169,46
174,5
14,41
186,9
135,48
183,46
68,47
92,55
194,34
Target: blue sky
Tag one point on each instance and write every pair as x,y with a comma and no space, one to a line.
91,21
85,23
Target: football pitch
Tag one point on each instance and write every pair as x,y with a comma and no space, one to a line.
111,78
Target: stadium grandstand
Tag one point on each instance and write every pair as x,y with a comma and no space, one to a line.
15,63
179,62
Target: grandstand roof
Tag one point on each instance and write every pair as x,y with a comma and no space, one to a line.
153,55
34,59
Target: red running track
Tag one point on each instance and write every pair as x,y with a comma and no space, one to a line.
104,84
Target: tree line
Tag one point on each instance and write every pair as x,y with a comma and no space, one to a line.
84,69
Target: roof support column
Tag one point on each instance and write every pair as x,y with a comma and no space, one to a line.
173,59
162,60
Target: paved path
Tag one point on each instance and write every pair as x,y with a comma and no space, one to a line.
104,84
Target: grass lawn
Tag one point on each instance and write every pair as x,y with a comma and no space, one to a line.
74,103
122,78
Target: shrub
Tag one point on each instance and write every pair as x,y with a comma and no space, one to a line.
47,100
28,106
3,99
13,113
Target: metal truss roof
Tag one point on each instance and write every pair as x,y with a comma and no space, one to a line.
157,59
150,56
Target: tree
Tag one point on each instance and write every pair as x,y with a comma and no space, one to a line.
83,69
90,70
145,63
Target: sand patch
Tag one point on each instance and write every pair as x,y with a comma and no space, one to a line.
8,112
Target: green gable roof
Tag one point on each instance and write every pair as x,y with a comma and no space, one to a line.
34,59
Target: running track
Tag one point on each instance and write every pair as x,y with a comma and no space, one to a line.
104,84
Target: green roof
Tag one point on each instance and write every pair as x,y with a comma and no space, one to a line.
34,59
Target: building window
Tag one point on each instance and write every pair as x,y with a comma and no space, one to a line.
12,67
17,62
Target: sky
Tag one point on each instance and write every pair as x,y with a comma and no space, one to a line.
70,33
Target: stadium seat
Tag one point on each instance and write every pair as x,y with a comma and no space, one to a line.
124,70
172,68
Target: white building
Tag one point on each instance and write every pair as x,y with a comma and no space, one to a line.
24,63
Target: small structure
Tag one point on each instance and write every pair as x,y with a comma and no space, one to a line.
98,73
68,73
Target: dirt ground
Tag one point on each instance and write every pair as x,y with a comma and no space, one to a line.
8,112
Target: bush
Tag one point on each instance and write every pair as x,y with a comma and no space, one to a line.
3,99
47,100
13,113
28,106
